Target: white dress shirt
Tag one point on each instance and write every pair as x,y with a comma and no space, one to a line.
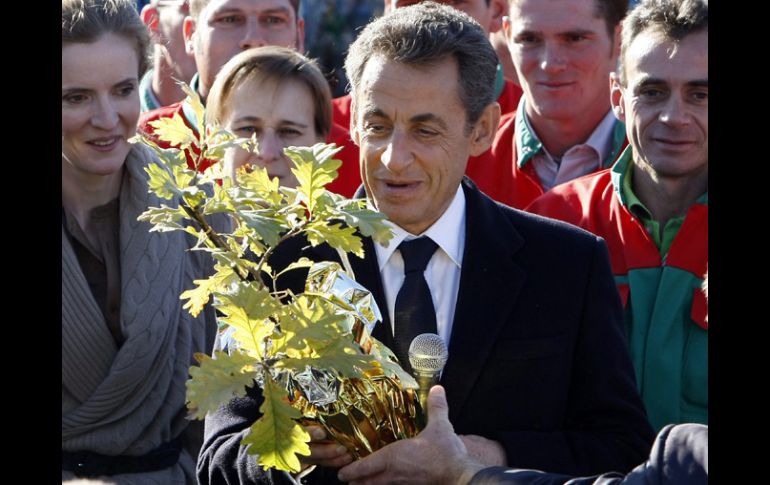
443,271
579,160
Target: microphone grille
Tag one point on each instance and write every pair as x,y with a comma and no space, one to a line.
427,352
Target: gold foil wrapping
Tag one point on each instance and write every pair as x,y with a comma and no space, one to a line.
362,414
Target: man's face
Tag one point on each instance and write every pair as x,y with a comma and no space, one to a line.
665,102
226,27
171,15
411,127
563,55
487,15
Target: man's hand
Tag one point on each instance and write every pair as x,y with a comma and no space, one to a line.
324,452
436,455
485,451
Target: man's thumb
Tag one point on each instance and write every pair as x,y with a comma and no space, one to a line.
438,409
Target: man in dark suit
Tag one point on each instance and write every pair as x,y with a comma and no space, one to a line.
538,374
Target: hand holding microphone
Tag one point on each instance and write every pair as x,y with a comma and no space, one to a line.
427,355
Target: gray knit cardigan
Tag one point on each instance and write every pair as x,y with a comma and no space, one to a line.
128,401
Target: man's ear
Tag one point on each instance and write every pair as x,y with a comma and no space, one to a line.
149,15
617,97
354,134
484,130
188,30
507,30
300,35
499,10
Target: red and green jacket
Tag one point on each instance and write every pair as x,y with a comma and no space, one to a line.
508,176
664,306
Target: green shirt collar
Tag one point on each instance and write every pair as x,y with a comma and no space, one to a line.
622,177
148,100
527,143
499,81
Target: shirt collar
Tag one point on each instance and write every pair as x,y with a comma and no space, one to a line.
148,99
499,81
187,109
603,139
622,177
448,232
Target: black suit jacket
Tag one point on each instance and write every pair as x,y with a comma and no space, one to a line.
680,456
538,357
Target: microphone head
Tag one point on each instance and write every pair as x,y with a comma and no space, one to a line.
428,353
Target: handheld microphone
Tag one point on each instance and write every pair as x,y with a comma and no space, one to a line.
427,355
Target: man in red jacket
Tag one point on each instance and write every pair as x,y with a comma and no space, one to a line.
563,51
652,206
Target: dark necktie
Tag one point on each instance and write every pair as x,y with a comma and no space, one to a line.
414,313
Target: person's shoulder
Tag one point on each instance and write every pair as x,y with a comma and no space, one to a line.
577,194
158,113
534,226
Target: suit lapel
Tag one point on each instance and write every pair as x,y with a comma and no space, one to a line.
490,282
367,273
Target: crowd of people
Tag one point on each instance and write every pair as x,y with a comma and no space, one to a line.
561,194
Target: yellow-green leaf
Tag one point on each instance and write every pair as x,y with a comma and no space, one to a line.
217,381
311,319
260,182
174,131
336,236
340,354
160,182
314,168
264,223
194,101
198,297
164,218
276,437
368,222
250,297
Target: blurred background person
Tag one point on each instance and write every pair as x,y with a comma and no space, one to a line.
170,61
563,128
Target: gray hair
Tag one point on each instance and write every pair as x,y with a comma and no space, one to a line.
427,33
675,19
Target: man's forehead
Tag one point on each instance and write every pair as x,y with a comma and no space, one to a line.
652,45
535,14
385,81
219,5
